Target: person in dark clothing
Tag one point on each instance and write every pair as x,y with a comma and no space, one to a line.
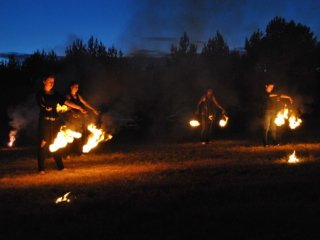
78,120
49,120
273,105
207,108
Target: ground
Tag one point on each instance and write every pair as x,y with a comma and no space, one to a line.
231,189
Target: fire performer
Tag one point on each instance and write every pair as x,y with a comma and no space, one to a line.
77,120
49,121
272,102
207,108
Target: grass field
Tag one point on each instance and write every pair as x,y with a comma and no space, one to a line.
228,189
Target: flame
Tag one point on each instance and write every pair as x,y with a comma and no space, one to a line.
293,158
294,122
64,198
281,117
96,136
64,137
12,138
194,123
223,122
62,108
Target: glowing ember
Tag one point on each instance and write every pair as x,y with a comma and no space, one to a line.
64,137
224,121
194,123
64,198
12,138
294,122
293,158
62,108
281,117
96,136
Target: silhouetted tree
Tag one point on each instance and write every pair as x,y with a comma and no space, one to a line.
216,47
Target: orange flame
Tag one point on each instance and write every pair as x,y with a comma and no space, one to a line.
194,123
293,158
224,121
12,138
96,136
62,108
64,137
281,117
64,198
294,122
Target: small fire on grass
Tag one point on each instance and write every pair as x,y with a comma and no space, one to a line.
293,158
194,123
96,136
64,198
12,138
223,121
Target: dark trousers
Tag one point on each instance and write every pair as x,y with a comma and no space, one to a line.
206,128
48,131
270,128
43,152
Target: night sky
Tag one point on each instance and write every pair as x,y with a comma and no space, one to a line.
131,25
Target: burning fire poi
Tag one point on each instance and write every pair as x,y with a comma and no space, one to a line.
294,122
64,198
283,115
194,123
224,121
62,109
64,136
96,136
12,138
293,158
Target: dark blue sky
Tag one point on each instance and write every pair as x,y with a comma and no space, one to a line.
30,25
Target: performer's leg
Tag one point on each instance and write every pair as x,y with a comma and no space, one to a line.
58,159
266,128
41,155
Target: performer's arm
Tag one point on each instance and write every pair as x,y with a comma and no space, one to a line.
218,105
42,103
283,96
202,99
85,103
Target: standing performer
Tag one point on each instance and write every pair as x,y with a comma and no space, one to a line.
207,108
49,121
77,120
273,105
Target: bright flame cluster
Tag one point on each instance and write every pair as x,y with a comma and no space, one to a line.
283,115
96,136
64,136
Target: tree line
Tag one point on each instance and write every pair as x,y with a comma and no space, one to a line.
160,93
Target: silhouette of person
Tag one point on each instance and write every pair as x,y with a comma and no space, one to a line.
49,120
207,108
273,105
78,120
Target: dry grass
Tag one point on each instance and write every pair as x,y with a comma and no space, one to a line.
140,191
